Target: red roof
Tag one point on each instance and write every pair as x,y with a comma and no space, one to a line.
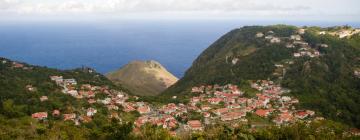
215,100
262,112
39,115
301,113
143,109
194,123
221,110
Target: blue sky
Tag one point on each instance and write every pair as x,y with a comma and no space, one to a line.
305,10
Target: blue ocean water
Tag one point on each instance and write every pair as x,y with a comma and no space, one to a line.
106,46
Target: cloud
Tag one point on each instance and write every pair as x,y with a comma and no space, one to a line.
133,6
7,4
174,8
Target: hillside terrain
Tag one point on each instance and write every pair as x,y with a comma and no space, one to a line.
143,77
256,82
38,102
319,65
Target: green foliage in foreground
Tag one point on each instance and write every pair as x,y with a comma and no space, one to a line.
27,128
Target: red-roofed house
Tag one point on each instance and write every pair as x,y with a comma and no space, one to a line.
301,114
221,111
195,99
128,107
242,100
71,116
232,116
205,107
144,109
283,117
262,112
40,115
206,114
215,100
91,101
194,125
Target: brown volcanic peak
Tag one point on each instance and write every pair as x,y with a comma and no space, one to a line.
143,77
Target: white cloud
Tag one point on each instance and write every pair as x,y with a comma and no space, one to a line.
175,8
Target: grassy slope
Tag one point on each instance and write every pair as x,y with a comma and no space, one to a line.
142,78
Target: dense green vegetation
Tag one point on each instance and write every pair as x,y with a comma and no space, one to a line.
17,104
13,90
325,84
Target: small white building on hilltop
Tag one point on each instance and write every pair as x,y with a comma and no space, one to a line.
275,40
259,34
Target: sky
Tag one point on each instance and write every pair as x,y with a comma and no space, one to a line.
321,10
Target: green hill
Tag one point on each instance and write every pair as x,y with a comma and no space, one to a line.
323,77
21,87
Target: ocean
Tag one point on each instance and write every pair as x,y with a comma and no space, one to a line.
107,46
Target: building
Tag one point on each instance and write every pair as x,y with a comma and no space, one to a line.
283,118
195,125
70,82
297,54
71,116
259,34
144,109
91,112
275,40
262,112
324,45
221,111
301,31
322,32
232,116
215,100
40,115
295,37
30,88
290,46
43,98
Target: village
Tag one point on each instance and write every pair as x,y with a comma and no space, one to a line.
214,103
294,41
112,101
211,104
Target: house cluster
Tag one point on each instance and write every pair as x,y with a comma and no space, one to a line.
270,37
282,107
294,41
341,33
16,65
163,116
112,101
163,120
77,119
226,103
304,49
